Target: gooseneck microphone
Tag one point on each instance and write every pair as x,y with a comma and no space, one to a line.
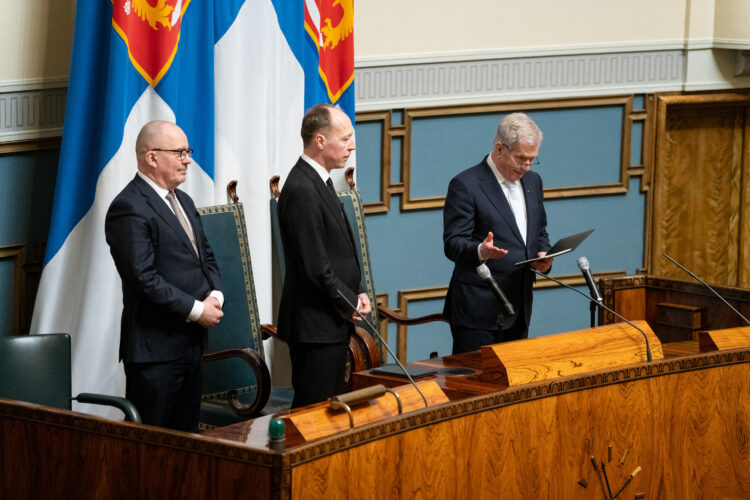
583,265
696,278
505,306
373,330
600,304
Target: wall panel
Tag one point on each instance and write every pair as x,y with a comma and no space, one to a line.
591,166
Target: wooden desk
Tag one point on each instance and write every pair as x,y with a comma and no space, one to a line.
684,419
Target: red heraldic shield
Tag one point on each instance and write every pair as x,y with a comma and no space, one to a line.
334,37
151,30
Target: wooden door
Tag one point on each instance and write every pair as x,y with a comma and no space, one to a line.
700,191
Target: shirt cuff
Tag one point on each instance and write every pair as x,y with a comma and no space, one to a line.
196,312
218,296
479,254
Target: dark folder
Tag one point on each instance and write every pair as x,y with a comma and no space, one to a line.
564,245
395,371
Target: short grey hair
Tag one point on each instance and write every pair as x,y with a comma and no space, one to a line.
517,128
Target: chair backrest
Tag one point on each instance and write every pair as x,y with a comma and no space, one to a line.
240,327
352,204
36,369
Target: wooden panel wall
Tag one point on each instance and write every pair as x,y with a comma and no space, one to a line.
543,448
701,184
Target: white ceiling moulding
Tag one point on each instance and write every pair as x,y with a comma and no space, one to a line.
529,77
522,52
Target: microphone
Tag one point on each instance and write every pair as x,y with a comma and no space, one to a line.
583,265
373,330
506,306
707,286
600,304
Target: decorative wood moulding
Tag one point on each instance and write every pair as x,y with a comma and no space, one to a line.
31,112
517,78
403,188
406,296
17,254
621,187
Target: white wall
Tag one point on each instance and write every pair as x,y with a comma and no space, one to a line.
36,37
387,28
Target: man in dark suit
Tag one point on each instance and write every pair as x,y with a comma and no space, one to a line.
494,214
170,281
320,259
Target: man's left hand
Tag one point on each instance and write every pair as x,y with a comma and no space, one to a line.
542,265
363,310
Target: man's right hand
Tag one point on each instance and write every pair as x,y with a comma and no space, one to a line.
211,313
487,250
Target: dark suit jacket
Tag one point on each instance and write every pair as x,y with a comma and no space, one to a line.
161,275
320,259
475,205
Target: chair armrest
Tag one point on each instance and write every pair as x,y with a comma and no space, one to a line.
262,378
122,404
391,315
268,331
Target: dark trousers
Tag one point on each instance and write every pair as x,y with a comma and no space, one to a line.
471,339
318,371
167,394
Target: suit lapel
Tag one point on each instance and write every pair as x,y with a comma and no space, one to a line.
488,183
332,204
162,210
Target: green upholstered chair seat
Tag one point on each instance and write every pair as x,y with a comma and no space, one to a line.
36,369
236,380
220,413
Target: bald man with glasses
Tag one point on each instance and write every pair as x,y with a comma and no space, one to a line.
171,285
494,214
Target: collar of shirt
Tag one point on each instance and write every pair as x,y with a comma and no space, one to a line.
502,180
322,172
160,191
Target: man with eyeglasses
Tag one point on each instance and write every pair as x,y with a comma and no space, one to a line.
494,214
171,285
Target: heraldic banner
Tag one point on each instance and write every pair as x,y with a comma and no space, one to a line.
236,76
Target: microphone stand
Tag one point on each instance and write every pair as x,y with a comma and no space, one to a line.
707,286
592,309
648,346
373,330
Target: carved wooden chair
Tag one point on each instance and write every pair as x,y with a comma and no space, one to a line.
365,351
236,380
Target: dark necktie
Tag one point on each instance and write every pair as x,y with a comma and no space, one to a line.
181,219
332,189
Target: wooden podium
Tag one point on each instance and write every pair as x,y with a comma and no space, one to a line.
676,310
539,418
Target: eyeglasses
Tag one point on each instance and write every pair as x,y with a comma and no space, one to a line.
181,153
523,160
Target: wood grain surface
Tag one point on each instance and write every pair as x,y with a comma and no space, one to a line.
688,432
570,353
320,420
724,339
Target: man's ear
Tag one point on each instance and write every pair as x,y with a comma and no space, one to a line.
150,158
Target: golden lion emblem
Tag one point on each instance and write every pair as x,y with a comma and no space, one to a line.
160,13
334,34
